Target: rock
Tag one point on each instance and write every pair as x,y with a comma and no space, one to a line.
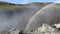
46,28
57,25
14,31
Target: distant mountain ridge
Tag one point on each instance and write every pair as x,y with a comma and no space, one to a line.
12,6
27,3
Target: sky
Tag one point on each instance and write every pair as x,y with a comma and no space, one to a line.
28,1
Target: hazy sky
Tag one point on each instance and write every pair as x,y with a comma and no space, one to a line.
28,1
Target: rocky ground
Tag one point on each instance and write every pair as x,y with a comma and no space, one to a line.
44,29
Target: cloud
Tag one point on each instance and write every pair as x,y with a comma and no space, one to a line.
26,1
57,1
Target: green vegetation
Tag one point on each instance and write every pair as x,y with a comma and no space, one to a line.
10,6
